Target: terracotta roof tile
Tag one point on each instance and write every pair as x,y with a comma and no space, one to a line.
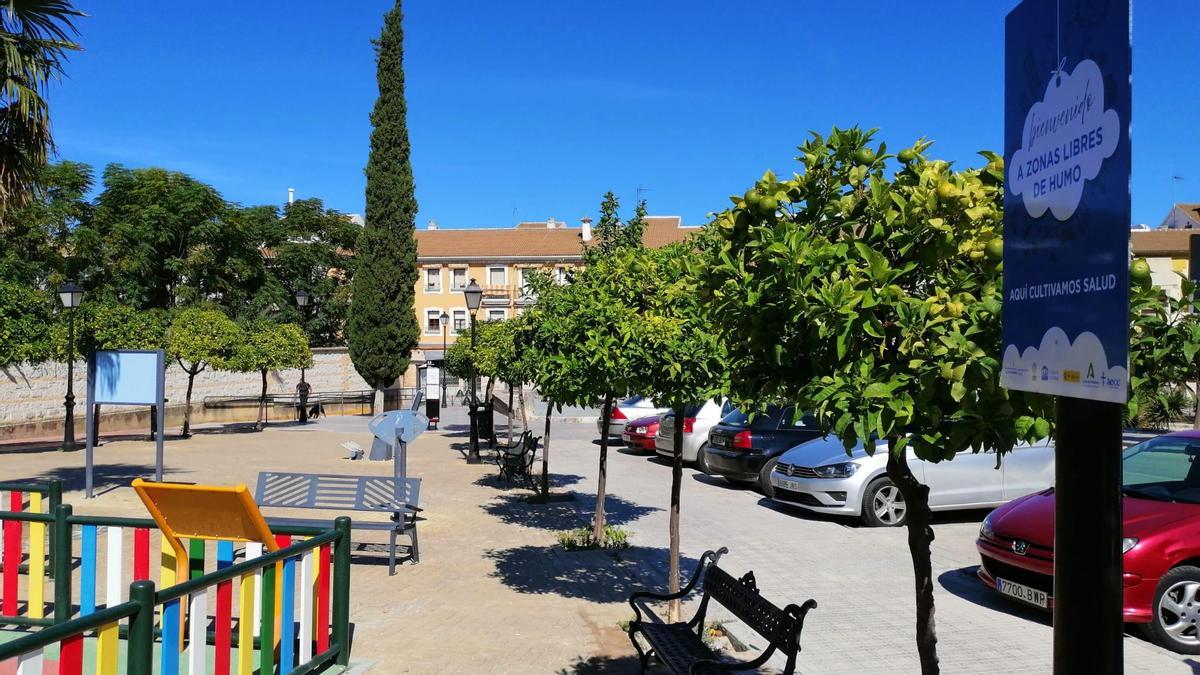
525,241
1162,243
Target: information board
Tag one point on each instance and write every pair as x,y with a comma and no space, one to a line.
1066,202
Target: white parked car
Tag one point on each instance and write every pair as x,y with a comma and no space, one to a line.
629,409
820,476
698,419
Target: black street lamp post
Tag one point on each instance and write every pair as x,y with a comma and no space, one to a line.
70,295
445,321
303,298
474,296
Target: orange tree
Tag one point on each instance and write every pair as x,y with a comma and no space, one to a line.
874,302
680,359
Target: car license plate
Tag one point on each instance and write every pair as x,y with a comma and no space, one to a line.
719,441
1023,593
626,438
789,485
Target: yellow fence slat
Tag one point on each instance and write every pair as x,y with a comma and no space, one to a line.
37,561
246,623
107,648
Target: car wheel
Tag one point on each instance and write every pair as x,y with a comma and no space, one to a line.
1177,610
883,505
764,477
702,460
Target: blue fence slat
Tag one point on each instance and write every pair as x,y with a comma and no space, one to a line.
170,638
287,622
87,571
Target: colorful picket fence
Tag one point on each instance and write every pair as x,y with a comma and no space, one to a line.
294,601
30,552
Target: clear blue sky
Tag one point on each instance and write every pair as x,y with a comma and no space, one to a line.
542,107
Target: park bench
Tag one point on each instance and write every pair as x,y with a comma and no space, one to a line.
680,648
374,494
515,460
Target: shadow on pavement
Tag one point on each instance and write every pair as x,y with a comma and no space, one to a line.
515,509
604,664
720,482
965,584
617,511
597,576
557,480
106,477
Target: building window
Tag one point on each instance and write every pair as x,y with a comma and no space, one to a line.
560,274
433,280
526,275
433,321
497,276
497,314
458,279
459,323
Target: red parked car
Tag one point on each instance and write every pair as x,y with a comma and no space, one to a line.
1161,542
639,433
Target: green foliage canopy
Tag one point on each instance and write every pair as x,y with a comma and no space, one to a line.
382,327
25,321
872,301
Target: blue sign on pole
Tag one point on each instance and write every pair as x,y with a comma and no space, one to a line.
1066,203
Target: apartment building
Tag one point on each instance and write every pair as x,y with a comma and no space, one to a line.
499,260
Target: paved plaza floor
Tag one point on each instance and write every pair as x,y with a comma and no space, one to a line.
494,594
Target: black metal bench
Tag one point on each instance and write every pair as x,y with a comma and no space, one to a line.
680,648
515,460
375,494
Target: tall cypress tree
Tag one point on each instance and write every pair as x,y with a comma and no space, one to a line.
382,328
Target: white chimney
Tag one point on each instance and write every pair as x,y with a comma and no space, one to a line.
291,195
431,225
587,228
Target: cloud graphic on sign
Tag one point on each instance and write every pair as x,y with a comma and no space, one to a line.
1058,354
1066,138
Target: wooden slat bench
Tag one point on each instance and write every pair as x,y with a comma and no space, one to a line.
680,648
374,494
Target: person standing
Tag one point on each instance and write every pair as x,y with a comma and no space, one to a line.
302,390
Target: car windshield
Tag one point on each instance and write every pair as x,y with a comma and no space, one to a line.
762,419
1163,469
632,401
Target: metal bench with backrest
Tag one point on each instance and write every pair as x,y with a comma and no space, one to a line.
515,460
680,647
373,494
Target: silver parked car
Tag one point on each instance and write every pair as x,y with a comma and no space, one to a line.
820,476
698,420
629,409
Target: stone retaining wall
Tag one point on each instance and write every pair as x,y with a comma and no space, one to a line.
32,396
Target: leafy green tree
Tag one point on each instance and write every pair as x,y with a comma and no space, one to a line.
160,239
1164,340
875,303
581,345
309,248
24,325
36,36
265,346
610,234
382,327
101,324
682,359
552,366
197,339
35,234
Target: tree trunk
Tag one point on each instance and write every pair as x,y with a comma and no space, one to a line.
510,413
262,404
546,453
673,609
524,412
920,536
598,522
187,403
1196,402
